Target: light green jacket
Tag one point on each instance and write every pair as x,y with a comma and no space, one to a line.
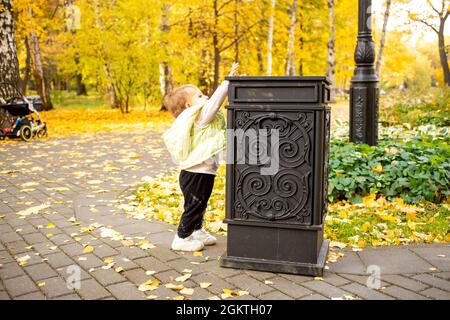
189,144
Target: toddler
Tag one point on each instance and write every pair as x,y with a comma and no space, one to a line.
195,140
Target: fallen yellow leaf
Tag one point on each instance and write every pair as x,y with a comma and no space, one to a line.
176,287
204,285
187,291
183,278
88,249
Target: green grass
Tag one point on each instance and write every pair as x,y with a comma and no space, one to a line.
69,100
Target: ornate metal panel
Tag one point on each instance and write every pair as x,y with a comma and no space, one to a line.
284,196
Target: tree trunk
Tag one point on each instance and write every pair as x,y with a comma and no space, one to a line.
301,41
290,62
203,76
442,53
165,70
81,87
383,36
9,65
270,37
331,50
27,69
216,47
113,101
260,58
236,32
40,76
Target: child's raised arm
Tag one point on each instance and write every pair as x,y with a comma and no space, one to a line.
213,104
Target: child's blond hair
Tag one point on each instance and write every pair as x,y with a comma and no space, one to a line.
175,101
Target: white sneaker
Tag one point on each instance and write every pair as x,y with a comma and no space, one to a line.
205,237
186,244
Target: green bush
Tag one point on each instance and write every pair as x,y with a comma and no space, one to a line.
433,109
413,168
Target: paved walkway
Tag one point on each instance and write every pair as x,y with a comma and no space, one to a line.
41,249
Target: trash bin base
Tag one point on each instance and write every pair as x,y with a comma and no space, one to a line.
309,269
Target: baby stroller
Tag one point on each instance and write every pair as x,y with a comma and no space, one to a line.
17,118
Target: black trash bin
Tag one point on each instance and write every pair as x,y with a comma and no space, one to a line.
275,219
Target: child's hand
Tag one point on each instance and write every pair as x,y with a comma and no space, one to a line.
234,69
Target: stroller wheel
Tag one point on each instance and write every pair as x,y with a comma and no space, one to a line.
26,133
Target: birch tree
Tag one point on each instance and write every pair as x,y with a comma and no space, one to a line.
331,50
9,65
383,36
290,61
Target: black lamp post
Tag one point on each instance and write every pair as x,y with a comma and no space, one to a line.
364,89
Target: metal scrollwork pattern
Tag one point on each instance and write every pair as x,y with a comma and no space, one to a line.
283,196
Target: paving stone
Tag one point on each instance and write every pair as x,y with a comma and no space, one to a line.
44,248
443,275
363,279
163,254
17,247
213,266
180,265
314,297
140,227
334,279
68,297
10,270
32,296
59,259
105,251
217,283
10,237
290,288
275,295
294,278
5,257
55,287
125,263
394,260
364,292
405,282
163,293
325,289
349,263
437,256
126,291
33,238
167,276
249,284
436,293
5,228
92,290
132,252
402,294
136,276
61,239
27,229
434,281
4,296
108,276
72,249
40,271
259,275
19,286
92,261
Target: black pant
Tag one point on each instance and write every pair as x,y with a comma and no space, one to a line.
196,188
